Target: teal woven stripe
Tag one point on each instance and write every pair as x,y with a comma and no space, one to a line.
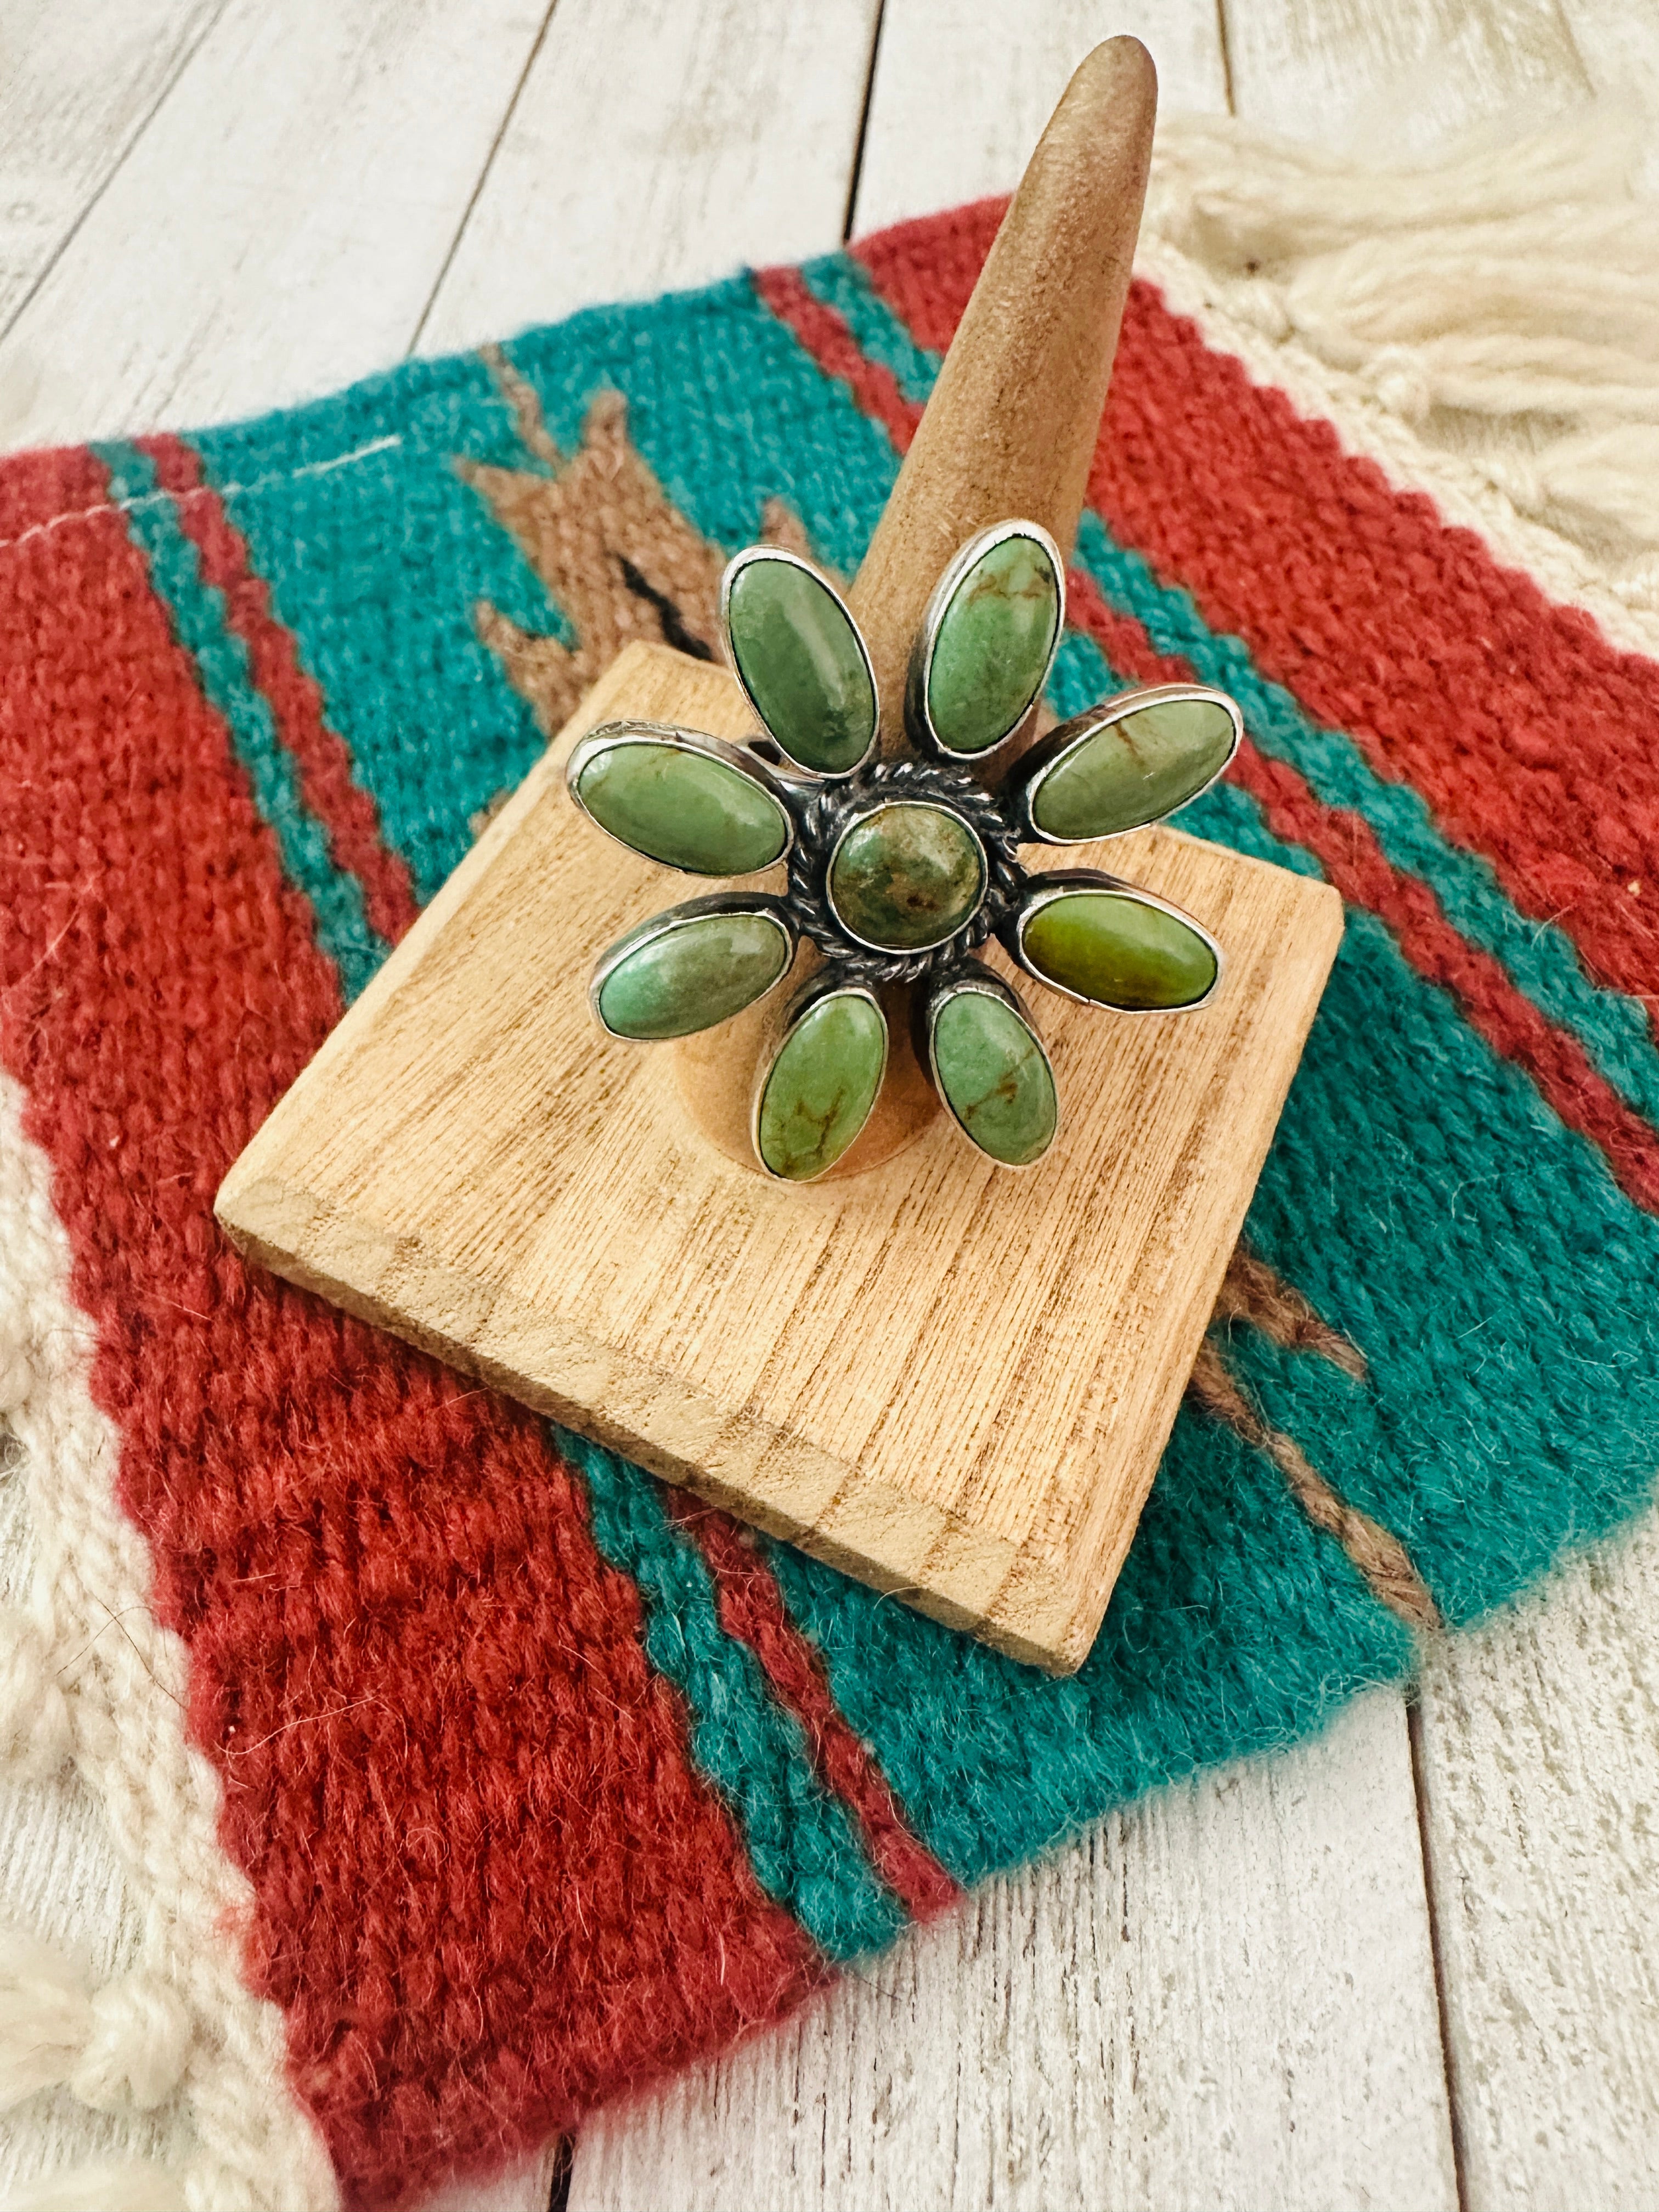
802,1844
1539,960
1203,1646
843,282
368,539
197,611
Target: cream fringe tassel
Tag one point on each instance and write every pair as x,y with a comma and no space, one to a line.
1503,298
87,1674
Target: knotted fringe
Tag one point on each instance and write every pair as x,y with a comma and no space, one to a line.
1504,297
121,2048
86,1673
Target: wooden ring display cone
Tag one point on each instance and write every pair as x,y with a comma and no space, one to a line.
1009,429
951,1381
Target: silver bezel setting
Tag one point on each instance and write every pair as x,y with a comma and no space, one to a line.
826,984
734,568
886,807
673,918
1044,888
608,735
1034,767
918,719
989,985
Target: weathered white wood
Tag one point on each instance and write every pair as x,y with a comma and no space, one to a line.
78,82
280,223
1223,1996
1539,1737
661,143
526,2185
62,1883
1618,43
1391,77
961,95
1541,1766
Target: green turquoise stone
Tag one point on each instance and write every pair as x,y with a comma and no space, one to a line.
907,876
693,974
992,649
1118,951
995,1077
822,1085
802,665
687,809
1133,771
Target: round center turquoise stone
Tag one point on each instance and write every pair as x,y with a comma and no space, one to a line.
907,876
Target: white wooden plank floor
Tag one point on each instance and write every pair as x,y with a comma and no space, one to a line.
1405,1966
1192,2008
657,144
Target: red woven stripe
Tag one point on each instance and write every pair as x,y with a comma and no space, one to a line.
927,272
1512,716
43,492
1348,849
488,1884
1123,638
1356,863
826,338
323,759
752,1609
1344,843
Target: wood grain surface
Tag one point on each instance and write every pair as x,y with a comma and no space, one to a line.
953,1382
280,225
657,144
172,299
79,82
1539,1756
1184,2009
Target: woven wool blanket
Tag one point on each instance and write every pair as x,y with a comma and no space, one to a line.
466,1775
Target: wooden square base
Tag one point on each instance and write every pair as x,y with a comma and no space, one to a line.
953,1382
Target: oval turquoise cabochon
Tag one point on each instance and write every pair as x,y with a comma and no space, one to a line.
1118,950
995,639
1136,769
993,1074
692,972
802,664
820,1090
688,809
